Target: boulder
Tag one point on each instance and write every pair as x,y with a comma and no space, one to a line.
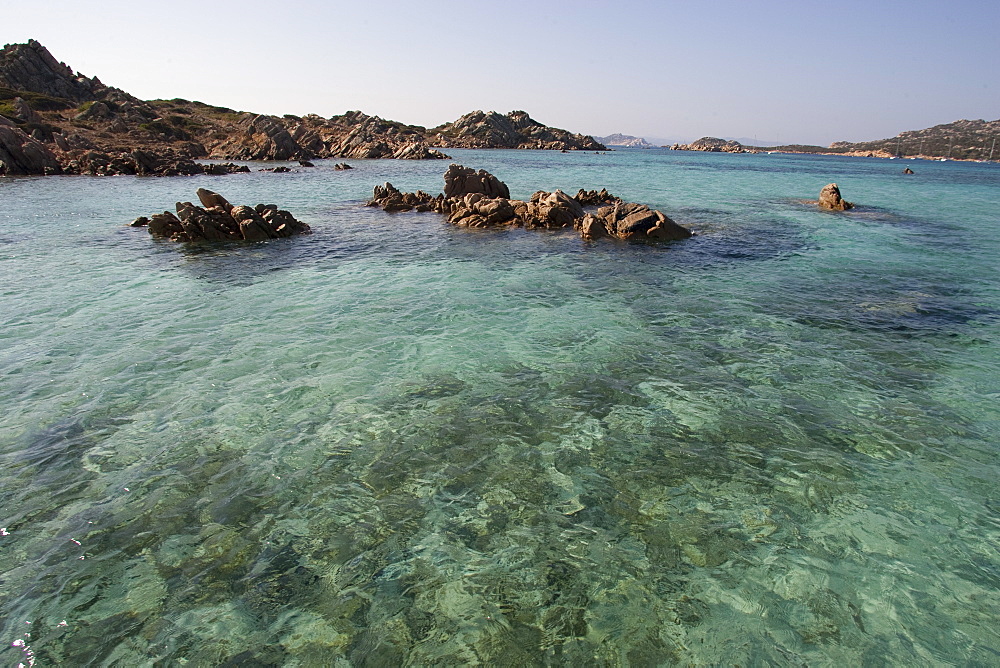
907,171
210,199
555,209
829,198
459,181
252,225
340,166
477,210
628,220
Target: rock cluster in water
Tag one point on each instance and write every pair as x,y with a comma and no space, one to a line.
478,199
829,198
218,220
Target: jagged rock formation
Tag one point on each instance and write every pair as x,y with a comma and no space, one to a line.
513,130
21,154
218,220
627,141
595,198
31,67
459,180
712,145
479,199
829,198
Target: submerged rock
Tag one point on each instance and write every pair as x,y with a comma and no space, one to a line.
218,220
829,198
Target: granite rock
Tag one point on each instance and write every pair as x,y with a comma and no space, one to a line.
830,199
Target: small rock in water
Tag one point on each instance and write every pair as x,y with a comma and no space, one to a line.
829,198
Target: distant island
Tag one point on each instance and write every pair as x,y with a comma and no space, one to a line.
54,121
960,140
627,141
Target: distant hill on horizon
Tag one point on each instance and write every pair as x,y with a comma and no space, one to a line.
627,141
959,140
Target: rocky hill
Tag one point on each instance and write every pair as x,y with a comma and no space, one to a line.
627,141
961,140
55,120
514,130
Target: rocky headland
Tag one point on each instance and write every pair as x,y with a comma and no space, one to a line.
54,120
218,220
516,129
478,199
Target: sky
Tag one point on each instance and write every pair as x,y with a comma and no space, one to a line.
790,72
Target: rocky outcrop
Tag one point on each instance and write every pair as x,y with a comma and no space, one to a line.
391,200
595,197
21,154
358,135
830,199
513,130
628,220
261,137
218,220
30,67
712,145
478,199
459,180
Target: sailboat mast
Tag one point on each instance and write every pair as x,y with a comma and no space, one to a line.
993,147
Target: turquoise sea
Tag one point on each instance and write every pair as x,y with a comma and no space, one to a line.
399,443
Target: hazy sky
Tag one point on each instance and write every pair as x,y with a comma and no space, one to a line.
806,72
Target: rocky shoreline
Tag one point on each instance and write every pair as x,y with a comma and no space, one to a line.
55,121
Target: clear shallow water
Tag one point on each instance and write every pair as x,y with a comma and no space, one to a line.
398,443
